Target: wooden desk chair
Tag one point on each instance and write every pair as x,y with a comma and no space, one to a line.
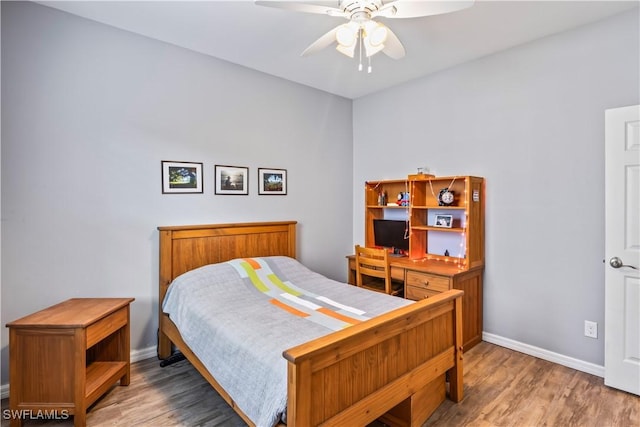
372,262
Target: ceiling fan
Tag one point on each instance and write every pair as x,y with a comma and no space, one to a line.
362,31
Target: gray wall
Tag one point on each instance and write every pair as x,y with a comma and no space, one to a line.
531,121
89,112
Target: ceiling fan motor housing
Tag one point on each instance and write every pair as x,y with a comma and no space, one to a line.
354,6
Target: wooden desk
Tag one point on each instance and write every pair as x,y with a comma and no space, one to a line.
424,278
63,358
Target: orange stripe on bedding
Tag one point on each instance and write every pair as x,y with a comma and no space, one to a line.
338,316
288,308
253,263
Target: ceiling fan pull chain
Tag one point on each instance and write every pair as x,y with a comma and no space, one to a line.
369,69
360,48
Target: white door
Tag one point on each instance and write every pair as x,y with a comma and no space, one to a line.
622,249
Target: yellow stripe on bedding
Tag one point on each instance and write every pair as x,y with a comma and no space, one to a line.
254,277
279,283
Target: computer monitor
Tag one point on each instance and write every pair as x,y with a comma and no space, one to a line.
391,233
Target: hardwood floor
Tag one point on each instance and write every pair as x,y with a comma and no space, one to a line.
502,388
505,388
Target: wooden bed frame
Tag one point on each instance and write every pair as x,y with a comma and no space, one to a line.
391,367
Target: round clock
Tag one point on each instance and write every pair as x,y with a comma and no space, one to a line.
445,197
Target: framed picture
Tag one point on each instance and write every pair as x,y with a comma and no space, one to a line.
272,181
232,180
181,177
444,221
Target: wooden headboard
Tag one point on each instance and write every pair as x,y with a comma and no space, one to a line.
185,247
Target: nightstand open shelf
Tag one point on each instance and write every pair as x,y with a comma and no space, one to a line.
100,377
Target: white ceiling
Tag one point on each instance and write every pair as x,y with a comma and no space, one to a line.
271,40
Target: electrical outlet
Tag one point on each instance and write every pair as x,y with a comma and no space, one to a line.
590,329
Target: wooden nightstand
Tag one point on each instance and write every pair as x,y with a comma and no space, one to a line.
63,358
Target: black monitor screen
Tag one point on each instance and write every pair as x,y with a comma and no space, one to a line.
390,233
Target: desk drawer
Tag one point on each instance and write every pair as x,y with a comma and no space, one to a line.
427,281
106,326
416,294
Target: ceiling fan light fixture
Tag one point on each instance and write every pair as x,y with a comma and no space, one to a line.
377,35
371,50
347,50
371,37
346,36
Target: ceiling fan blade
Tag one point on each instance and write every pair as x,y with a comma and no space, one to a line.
393,47
302,7
326,40
417,8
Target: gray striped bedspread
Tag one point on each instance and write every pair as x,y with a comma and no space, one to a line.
239,316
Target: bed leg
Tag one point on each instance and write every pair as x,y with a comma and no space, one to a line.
456,386
164,346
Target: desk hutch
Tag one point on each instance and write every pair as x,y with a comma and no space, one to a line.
440,257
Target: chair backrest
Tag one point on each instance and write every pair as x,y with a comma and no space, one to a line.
373,262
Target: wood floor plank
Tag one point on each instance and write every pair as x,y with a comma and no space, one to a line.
503,388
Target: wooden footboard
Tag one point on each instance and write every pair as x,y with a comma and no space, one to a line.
393,366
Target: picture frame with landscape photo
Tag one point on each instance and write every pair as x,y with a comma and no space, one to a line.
272,181
443,221
231,180
181,177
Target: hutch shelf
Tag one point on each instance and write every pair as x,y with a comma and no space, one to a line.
383,201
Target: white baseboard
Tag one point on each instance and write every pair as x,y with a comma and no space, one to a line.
143,354
541,353
135,355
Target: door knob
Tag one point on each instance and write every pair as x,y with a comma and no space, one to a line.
616,262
